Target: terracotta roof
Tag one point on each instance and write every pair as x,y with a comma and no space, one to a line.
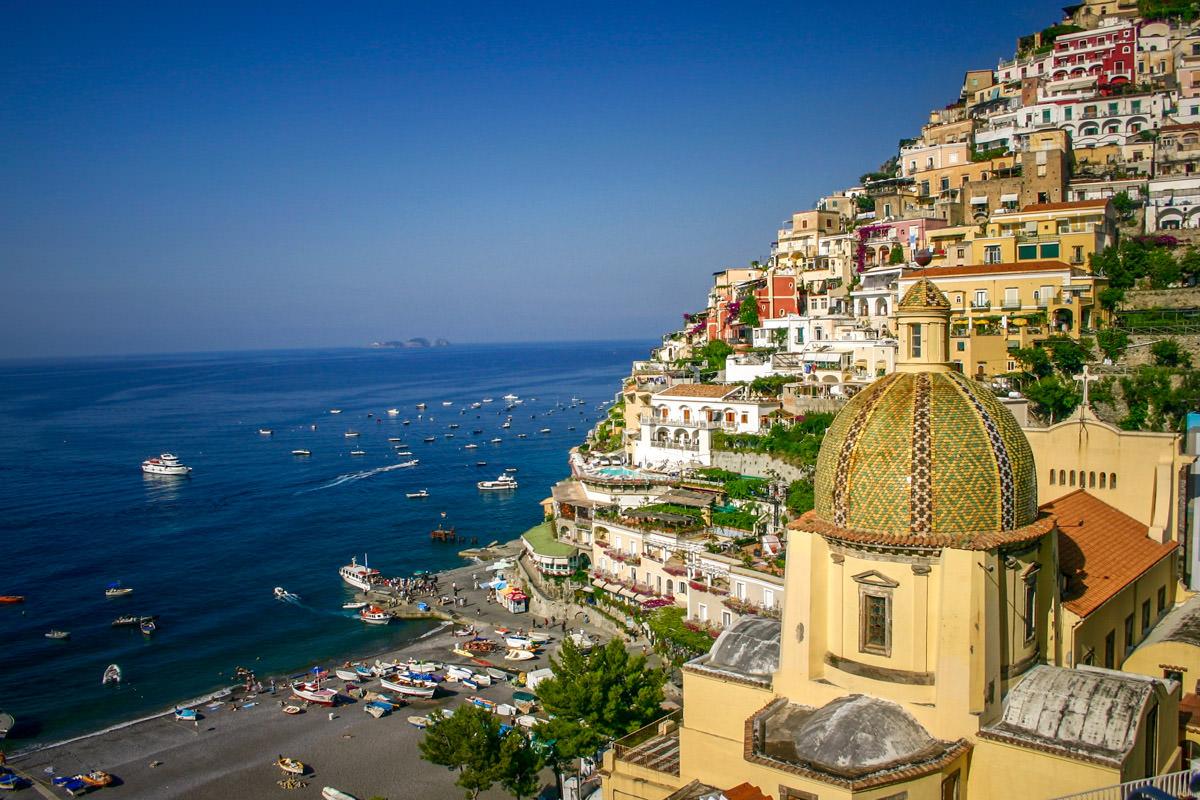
1074,204
698,390
1101,550
988,269
744,791
1187,126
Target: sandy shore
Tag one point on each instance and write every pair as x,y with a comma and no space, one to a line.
230,753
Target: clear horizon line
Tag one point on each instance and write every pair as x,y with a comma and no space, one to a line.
203,352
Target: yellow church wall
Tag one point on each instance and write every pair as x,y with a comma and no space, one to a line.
1087,635
625,781
1156,659
1146,466
720,707
999,769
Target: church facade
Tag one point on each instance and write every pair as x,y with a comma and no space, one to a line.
925,649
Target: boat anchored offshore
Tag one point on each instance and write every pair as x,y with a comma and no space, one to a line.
302,452
111,675
504,482
56,634
165,464
117,590
417,495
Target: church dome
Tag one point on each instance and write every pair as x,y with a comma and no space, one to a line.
925,453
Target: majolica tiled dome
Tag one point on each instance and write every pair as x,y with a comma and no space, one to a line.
925,453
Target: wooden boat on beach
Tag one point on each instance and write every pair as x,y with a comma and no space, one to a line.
378,708
411,687
518,655
419,722
330,793
291,765
346,674
293,710
313,693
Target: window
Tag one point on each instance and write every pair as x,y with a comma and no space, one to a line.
1135,106
1062,477
1050,250
1053,475
1103,479
1129,633
702,612
1072,477
1110,649
945,184
1077,254
740,587
1068,113
1030,607
1162,599
1027,252
768,598
875,624
1012,297
960,346
1112,480
914,341
991,254
745,417
1145,616
950,786
726,619
981,299
1152,741
1045,115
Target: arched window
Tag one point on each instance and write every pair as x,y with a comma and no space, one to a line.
1062,477
1072,477
1091,480
1112,480
1103,480
669,591
1052,477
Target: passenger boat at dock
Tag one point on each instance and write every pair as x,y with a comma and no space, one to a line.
374,615
358,575
165,464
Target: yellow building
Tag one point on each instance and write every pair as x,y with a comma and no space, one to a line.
999,307
919,651
1069,232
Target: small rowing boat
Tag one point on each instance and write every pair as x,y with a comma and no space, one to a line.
330,793
187,714
293,710
292,765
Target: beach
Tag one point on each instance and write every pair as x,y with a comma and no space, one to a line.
230,752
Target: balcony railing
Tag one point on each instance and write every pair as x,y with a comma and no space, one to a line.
703,424
1014,305
667,444
654,747
1176,784
976,305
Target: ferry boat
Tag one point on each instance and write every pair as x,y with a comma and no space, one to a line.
505,481
374,615
358,575
165,464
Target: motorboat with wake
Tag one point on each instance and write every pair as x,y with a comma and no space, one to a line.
117,590
57,634
283,594
112,674
417,495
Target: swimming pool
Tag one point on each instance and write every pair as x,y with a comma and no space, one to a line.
619,472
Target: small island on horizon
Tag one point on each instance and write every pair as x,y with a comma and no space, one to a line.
413,343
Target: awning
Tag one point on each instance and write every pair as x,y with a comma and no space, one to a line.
1008,198
828,358
627,593
975,201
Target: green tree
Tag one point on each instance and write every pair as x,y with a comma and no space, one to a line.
469,741
800,497
1110,297
670,634
1112,342
1069,355
596,697
1162,269
896,256
748,315
1124,205
1053,397
1169,353
1189,266
1035,361
519,765
715,352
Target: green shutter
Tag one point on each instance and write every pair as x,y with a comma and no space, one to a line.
1050,250
1026,252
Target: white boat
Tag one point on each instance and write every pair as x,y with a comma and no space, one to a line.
582,641
117,590
165,464
537,637
313,693
374,615
481,679
526,721
350,434
353,606
410,463
519,642
497,440
346,674
470,446
423,666
393,412
496,674
506,425
330,793
335,411
187,715
283,594
447,402
417,495
510,397
419,722
544,430
358,452
384,667
358,575
111,675
457,673
488,400
504,482
58,634
408,686
302,452
265,431
394,439
518,655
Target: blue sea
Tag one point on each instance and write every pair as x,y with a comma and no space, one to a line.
204,552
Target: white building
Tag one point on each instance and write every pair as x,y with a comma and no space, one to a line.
677,431
1173,203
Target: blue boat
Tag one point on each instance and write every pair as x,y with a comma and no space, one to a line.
147,626
11,781
187,714
73,784
378,708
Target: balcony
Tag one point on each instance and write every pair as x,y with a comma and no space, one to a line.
1175,784
679,422
978,305
1013,305
654,747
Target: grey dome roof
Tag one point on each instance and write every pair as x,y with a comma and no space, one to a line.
750,648
857,734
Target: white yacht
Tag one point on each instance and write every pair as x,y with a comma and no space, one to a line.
510,397
505,481
393,412
165,464
358,575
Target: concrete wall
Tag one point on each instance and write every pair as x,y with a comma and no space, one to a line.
757,464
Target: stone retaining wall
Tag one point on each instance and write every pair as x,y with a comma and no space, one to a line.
757,464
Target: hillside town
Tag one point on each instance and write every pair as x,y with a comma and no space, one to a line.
907,501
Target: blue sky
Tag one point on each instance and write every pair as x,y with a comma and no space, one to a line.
202,177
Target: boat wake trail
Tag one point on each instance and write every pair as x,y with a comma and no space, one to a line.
351,477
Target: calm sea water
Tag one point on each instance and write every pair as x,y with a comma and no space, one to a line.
205,552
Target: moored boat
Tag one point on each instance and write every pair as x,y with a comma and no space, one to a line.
117,590
302,452
354,606
265,431
9,599
518,655
57,634
293,765
417,495
330,793
112,674
502,483
360,576
374,615
147,627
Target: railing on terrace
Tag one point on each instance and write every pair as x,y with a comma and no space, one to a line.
651,419
647,747
1176,784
